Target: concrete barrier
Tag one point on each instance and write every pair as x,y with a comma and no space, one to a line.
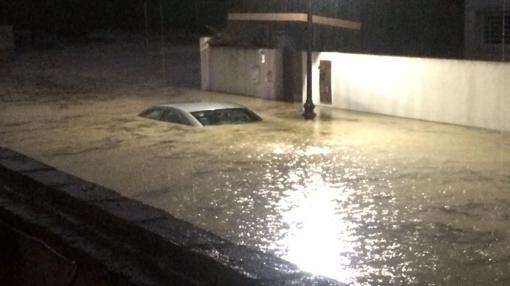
470,93
139,244
251,72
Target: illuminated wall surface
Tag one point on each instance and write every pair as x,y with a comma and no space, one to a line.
465,92
471,93
252,72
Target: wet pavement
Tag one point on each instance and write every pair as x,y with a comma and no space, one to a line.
361,198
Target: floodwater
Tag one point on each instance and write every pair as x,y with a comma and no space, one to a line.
364,199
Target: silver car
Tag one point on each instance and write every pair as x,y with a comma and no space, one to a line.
201,114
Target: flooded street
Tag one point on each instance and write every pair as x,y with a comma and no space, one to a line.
364,199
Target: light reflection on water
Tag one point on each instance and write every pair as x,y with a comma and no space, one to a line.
335,213
363,199
316,230
319,238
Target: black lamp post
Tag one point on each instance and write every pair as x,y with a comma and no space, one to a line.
309,114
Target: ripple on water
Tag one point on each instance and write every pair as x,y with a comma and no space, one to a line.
333,212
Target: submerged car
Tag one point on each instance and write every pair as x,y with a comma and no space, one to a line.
201,114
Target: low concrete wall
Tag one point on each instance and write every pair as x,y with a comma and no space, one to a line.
252,72
471,93
135,243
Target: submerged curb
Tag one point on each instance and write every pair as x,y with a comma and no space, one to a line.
162,242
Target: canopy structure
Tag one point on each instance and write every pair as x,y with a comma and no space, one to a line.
282,24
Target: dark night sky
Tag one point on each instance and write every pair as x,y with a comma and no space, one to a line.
78,17
432,28
411,27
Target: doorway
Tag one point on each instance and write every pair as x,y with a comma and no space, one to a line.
292,75
325,82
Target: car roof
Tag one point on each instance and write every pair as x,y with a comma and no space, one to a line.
200,105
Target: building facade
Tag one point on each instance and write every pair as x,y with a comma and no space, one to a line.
487,29
431,28
283,24
418,28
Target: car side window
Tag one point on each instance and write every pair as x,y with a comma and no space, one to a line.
174,116
153,113
225,116
239,115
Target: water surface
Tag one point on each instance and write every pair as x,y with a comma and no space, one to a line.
364,199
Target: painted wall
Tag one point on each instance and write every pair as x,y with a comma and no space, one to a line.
472,93
252,72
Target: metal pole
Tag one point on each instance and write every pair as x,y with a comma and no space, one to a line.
146,14
503,33
163,55
501,112
309,114
197,17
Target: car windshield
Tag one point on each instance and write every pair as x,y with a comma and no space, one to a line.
225,116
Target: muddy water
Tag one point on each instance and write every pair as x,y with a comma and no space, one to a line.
364,199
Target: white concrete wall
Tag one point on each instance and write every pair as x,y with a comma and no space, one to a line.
471,93
252,72
205,56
